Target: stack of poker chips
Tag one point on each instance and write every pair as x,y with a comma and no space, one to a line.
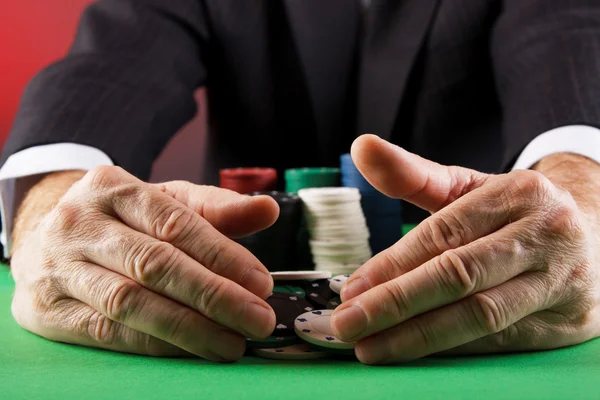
383,214
247,180
303,302
339,236
303,178
275,246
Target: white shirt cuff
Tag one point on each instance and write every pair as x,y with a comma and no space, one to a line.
578,139
40,160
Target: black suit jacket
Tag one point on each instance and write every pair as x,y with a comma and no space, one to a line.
292,82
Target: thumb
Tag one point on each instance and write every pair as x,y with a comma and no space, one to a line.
400,174
231,213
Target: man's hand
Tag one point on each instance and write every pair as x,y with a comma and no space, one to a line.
129,266
505,263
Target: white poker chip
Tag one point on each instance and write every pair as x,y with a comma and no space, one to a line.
329,195
315,327
337,282
293,352
300,275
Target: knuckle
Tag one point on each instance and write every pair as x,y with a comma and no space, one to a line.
210,299
65,218
177,325
488,314
152,262
424,334
217,256
398,308
392,265
122,299
102,177
99,328
444,233
457,273
564,220
174,223
507,337
530,184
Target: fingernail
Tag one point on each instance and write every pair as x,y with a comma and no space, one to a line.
349,323
257,282
228,345
354,288
257,321
372,350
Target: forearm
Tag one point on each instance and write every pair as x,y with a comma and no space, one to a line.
39,200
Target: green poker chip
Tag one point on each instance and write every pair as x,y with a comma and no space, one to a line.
302,178
295,290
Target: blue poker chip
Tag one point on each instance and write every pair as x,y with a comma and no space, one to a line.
382,213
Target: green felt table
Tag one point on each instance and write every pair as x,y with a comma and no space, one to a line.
35,368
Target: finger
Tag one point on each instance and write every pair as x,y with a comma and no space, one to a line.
126,302
478,214
480,315
543,330
231,213
445,279
156,214
162,268
404,175
74,322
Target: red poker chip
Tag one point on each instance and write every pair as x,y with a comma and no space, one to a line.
247,180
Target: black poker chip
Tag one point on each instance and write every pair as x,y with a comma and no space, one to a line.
287,307
334,302
319,293
274,246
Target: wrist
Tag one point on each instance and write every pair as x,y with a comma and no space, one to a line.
39,201
580,176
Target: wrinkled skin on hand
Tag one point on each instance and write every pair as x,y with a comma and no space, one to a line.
125,265
505,263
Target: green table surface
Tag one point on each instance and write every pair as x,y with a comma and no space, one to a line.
34,368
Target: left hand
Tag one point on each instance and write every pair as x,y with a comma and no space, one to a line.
505,263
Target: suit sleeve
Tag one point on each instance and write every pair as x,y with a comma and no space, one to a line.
126,85
546,59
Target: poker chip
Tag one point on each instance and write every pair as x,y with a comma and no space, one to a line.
314,327
346,353
301,178
383,214
318,293
294,352
272,341
287,307
334,302
247,180
300,275
289,289
274,246
339,236
337,282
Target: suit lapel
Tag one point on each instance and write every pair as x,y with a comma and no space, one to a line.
393,35
325,33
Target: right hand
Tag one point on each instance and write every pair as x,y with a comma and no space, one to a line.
146,268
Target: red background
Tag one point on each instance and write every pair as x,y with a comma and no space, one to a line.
33,33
